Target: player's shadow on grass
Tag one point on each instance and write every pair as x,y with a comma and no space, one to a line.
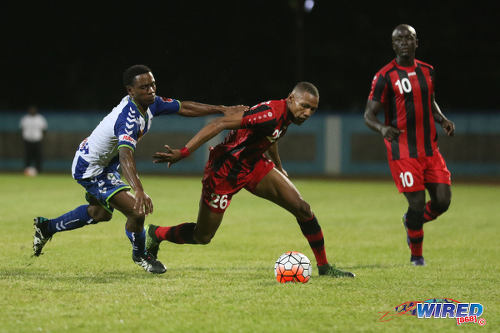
95,277
374,266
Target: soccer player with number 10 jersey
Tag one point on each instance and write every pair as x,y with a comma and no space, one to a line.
404,91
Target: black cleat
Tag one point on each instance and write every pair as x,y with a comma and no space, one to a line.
149,263
331,270
41,236
152,242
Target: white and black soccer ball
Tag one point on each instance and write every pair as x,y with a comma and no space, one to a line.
292,266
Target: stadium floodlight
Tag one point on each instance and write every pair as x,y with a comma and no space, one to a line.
308,5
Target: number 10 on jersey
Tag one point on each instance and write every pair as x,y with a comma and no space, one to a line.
403,85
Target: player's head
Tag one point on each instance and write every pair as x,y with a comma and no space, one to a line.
303,101
32,109
140,84
404,41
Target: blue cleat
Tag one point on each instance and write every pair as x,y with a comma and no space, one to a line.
417,261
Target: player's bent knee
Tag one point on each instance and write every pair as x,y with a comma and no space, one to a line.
99,214
203,240
137,216
103,216
442,205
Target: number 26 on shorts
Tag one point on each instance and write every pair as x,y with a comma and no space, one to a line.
406,179
218,201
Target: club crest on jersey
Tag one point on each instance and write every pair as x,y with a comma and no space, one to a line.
168,100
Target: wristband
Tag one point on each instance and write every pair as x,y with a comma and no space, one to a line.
184,152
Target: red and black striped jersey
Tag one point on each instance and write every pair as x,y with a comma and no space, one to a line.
261,126
406,95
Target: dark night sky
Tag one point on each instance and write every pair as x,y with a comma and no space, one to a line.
224,52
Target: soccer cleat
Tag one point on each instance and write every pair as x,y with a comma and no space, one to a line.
152,242
149,263
417,261
41,236
406,229
331,270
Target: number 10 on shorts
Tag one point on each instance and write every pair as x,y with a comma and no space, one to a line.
406,179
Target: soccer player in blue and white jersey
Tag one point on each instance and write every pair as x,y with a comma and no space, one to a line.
111,145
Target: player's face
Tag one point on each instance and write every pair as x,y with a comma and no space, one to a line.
404,42
302,105
143,90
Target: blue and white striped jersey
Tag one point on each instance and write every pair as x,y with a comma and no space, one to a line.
122,127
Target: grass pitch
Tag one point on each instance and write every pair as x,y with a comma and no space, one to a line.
86,280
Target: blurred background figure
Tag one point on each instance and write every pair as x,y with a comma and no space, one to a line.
33,126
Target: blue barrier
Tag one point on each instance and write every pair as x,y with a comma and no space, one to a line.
321,146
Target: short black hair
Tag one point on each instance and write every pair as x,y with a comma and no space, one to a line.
131,72
307,87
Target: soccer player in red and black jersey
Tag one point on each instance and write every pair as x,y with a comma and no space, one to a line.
239,162
404,91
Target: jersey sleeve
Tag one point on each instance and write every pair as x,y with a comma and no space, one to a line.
433,79
261,116
127,128
378,90
163,106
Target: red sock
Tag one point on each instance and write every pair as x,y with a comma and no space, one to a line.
314,235
416,241
429,214
179,234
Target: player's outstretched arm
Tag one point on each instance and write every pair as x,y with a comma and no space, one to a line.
371,120
446,124
195,109
275,157
171,156
143,202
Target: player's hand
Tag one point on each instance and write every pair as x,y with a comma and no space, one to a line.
143,203
449,127
390,133
229,110
171,156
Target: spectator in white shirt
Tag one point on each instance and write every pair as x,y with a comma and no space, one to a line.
33,126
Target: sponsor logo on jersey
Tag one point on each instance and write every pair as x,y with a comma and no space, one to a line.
127,138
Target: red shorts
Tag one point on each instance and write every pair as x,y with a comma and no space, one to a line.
220,185
410,174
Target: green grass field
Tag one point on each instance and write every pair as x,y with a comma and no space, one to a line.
87,282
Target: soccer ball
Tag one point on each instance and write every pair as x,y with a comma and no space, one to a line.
292,266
